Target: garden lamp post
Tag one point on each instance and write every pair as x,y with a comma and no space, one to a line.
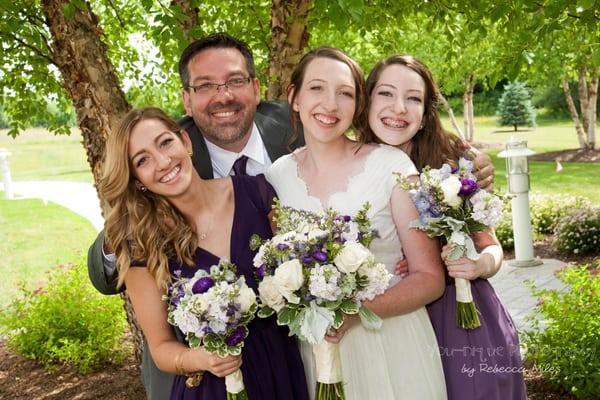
6,173
517,174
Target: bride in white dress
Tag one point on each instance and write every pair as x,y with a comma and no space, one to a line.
400,361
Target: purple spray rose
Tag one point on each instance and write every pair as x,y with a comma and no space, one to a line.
467,187
237,336
202,285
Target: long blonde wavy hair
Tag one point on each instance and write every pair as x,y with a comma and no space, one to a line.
141,226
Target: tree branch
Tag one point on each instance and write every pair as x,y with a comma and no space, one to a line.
37,51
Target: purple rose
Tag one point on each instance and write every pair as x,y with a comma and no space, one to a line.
260,271
283,246
320,256
347,218
202,285
237,336
467,187
307,259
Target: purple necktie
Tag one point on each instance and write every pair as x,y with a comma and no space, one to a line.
239,166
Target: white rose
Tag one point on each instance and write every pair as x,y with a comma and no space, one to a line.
247,298
288,278
450,187
269,294
351,257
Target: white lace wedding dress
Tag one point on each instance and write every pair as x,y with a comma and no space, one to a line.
400,361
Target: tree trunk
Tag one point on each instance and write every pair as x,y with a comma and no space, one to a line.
451,115
593,93
574,115
583,97
468,108
191,12
93,85
289,38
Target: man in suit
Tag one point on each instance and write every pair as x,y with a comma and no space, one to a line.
231,131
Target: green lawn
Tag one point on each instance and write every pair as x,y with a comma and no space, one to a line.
35,238
39,155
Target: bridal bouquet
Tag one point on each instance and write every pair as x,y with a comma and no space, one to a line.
213,309
451,205
316,269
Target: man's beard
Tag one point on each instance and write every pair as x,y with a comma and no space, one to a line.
226,133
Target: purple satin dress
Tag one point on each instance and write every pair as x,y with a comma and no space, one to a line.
271,363
482,363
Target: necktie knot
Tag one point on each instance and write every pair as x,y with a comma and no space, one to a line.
239,166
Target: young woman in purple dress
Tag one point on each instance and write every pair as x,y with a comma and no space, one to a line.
164,218
483,363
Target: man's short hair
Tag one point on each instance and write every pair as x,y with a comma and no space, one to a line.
214,41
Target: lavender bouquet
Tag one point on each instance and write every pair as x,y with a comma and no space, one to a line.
451,205
213,310
316,269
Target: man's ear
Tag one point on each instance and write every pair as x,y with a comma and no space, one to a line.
256,87
185,97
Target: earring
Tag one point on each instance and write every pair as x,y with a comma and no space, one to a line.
190,153
142,188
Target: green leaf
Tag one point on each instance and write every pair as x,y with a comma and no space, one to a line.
348,306
265,312
286,315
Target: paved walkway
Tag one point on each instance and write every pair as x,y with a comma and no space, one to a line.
509,283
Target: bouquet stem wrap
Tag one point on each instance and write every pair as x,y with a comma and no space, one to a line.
234,384
329,371
466,313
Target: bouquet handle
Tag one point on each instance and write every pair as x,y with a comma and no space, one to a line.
329,371
234,385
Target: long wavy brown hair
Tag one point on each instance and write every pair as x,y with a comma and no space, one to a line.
141,226
359,121
432,145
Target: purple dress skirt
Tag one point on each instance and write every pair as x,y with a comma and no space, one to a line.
271,363
482,363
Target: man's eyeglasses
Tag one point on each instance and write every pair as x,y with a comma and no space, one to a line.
210,88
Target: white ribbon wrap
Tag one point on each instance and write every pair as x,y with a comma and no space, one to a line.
234,383
463,290
328,363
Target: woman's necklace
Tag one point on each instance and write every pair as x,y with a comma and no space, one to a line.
202,235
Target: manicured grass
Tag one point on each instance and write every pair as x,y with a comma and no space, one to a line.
39,155
581,179
35,238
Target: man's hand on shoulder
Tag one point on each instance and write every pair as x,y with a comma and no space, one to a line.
484,170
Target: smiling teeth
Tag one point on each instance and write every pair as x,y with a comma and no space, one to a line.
394,123
326,120
224,114
170,175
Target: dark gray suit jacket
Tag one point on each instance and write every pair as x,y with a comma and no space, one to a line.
273,122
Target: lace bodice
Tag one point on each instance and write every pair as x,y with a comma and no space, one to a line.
374,184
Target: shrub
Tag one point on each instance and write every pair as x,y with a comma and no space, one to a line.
66,322
504,231
567,350
546,210
578,231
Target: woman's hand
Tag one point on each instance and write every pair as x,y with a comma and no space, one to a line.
213,363
401,268
336,335
466,268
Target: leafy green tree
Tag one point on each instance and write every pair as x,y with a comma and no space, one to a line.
515,108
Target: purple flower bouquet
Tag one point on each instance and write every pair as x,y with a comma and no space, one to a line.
451,205
213,310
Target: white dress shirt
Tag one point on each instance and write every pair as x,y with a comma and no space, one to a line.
258,158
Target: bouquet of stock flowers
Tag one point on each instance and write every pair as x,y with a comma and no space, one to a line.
213,309
451,205
316,269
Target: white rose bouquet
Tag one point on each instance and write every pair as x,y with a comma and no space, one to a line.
316,269
213,310
451,205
